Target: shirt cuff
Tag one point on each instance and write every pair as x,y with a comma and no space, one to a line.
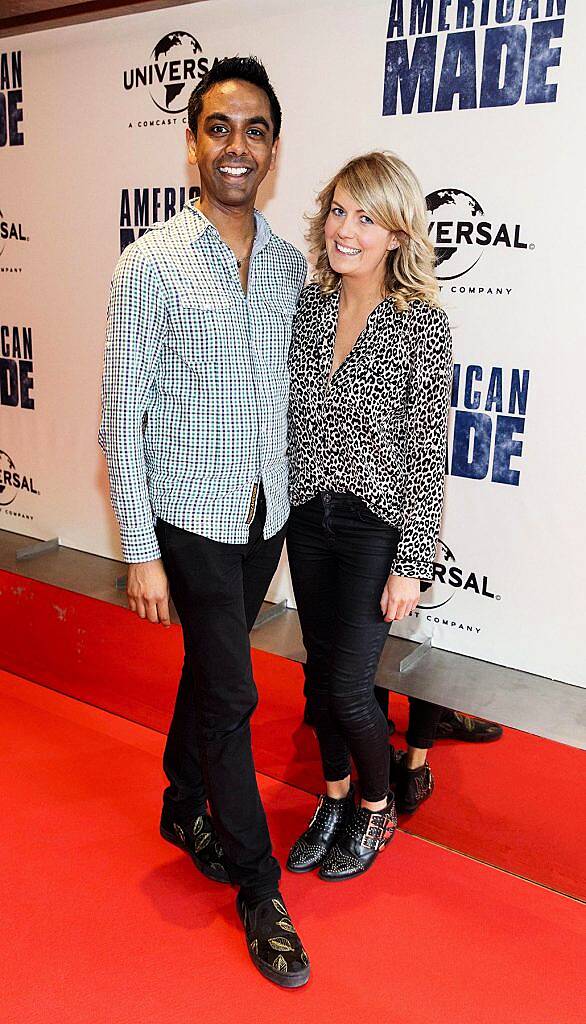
140,546
413,570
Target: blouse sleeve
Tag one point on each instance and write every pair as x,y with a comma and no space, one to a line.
427,416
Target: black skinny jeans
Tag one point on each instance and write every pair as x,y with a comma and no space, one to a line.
340,556
218,590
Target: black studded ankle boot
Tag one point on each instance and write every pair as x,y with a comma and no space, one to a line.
328,822
412,785
367,833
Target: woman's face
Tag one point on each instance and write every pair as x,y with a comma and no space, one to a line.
356,246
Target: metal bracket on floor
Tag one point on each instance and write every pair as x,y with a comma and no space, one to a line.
40,547
416,656
120,582
273,612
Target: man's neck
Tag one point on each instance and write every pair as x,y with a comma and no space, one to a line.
235,224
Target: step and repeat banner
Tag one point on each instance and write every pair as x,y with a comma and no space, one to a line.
484,99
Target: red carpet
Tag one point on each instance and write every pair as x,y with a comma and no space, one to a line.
519,803
104,923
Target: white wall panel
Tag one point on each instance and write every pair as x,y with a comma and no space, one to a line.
518,545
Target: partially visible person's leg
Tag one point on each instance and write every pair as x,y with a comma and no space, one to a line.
313,574
383,696
217,590
423,722
365,551
365,548
452,725
259,564
185,821
185,796
260,905
206,581
410,771
312,564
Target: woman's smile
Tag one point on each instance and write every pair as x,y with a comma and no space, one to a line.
346,250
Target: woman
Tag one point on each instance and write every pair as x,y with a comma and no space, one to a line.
370,369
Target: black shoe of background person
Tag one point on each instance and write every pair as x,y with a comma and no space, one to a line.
273,943
453,725
199,839
412,785
327,824
367,833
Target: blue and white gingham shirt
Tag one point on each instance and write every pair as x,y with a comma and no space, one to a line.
195,386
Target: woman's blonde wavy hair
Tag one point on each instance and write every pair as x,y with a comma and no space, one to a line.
388,191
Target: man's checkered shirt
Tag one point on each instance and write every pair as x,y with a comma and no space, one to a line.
195,386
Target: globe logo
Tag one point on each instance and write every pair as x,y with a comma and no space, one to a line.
435,596
7,490
173,65
454,219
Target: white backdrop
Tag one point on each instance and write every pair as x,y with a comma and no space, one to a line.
505,177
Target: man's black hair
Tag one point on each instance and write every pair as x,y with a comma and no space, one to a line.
247,69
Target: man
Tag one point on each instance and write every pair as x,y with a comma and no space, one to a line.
194,429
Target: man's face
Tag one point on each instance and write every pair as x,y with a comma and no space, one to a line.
234,147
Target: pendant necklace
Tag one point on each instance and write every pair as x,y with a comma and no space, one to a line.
242,260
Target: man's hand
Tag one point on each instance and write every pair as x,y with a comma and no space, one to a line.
148,591
400,597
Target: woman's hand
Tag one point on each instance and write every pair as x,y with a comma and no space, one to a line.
400,597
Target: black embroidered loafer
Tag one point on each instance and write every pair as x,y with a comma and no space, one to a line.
273,943
328,823
412,785
453,725
367,833
199,839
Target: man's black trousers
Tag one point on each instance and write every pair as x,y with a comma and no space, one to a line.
218,590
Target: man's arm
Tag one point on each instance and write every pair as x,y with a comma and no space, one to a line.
302,275
135,330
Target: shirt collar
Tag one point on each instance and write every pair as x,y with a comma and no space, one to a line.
201,225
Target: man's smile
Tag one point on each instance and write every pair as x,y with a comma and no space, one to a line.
234,172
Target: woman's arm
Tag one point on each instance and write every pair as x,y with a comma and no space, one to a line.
427,415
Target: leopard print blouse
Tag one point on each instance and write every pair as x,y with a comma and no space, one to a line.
378,429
